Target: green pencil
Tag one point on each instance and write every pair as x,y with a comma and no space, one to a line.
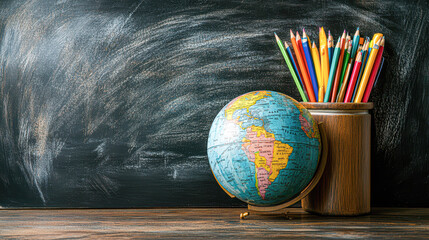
332,71
292,71
345,63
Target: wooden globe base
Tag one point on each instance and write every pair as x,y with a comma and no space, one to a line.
316,178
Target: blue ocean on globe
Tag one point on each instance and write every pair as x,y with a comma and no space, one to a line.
263,148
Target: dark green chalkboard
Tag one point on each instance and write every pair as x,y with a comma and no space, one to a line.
109,103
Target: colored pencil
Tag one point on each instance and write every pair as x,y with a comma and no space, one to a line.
324,57
335,57
374,72
346,61
362,67
378,74
316,62
296,51
321,94
367,72
301,50
355,44
330,47
359,49
294,64
344,86
375,38
369,49
310,66
301,64
289,64
338,69
308,39
353,77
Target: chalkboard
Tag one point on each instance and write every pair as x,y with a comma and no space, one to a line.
109,103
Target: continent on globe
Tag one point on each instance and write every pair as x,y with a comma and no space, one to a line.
270,156
243,102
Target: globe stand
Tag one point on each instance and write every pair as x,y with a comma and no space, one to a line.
316,178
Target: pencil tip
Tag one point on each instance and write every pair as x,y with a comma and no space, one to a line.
277,37
357,29
379,40
287,45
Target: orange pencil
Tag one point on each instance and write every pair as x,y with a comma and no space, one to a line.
339,68
301,63
345,81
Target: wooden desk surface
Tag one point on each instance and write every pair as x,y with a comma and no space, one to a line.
387,223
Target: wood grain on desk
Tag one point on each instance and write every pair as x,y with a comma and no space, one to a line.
209,223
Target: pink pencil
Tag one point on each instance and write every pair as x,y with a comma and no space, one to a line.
353,78
374,72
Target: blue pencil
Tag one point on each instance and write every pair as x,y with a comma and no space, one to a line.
369,52
379,71
310,66
355,44
292,59
335,57
369,48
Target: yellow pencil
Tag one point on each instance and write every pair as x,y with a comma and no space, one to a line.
367,72
316,62
324,57
375,38
321,94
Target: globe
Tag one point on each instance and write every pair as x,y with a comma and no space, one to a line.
263,148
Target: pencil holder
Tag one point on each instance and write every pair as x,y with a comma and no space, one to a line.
345,186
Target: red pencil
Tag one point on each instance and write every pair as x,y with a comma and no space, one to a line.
353,78
374,72
339,68
305,76
301,50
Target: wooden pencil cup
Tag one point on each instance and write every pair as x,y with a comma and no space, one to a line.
344,188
